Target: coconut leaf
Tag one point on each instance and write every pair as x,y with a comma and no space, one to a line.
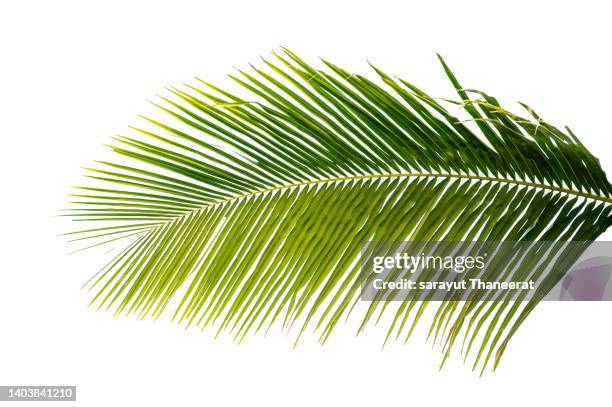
239,212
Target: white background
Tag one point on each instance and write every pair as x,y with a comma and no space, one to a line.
73,74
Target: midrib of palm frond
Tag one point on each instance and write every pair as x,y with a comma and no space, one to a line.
315,143
374,177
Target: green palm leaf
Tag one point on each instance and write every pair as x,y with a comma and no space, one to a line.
240,212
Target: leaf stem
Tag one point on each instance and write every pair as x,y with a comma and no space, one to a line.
414,174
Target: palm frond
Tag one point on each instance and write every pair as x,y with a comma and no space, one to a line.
240,212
